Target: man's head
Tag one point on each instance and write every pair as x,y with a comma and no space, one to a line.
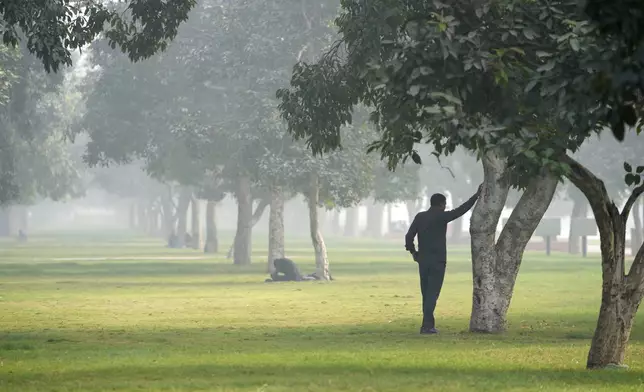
438,201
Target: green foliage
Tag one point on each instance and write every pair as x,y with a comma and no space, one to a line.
53,29
36,162
445,74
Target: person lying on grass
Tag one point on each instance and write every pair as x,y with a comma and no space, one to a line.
286,271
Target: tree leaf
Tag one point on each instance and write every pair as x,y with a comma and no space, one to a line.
627,167
530,86
414,90
415,157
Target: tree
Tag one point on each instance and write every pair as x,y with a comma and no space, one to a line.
52,30
447,75
37,163
597,61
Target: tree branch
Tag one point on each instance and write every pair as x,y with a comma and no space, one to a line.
591,186
259,211
637,192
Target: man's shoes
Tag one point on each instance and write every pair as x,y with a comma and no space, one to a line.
428,331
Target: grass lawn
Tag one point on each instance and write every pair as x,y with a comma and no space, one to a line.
146,324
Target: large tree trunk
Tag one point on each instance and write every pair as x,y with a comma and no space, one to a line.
579,210
276,227
374,219
495,265
243,236
321,259
351,221
182,216
212,242
257,215
621,292
196,223
636,239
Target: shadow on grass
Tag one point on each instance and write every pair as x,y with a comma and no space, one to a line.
341,375
186,268
215,268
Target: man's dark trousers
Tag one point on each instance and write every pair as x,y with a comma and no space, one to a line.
432,275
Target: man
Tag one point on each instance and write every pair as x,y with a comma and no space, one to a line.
431,228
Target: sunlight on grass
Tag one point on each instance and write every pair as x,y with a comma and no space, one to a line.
205,325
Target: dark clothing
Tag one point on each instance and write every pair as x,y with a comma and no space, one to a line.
431,228
431,283
285,271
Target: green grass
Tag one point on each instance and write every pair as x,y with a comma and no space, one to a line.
205,325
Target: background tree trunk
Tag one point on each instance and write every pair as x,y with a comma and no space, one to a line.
243,236
153,222
182,216
212,242
413,208
132,216
276,227
335,222
5,222
374,219
351,221
257,215
579,210
496,265
321,259
196,223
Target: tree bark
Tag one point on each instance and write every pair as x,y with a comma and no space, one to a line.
321,259
495,265
351,221
196,223
257,215
276,227
243,236
5,222
621,292
212,242
182,216
636,239
335,222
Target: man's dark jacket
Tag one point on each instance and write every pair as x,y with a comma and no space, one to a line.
431,228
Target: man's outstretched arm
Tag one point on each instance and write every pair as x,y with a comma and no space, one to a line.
409,237
463,208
